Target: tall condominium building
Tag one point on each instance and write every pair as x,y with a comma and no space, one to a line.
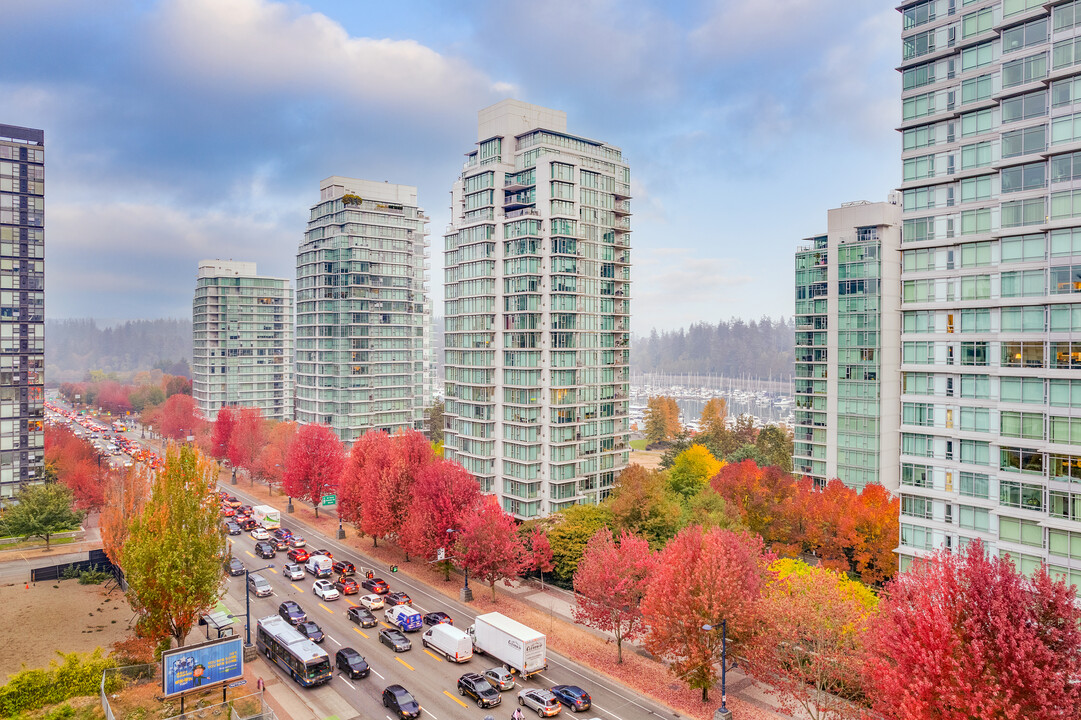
22,307
991,261
848,348
242,353
537,312
363,311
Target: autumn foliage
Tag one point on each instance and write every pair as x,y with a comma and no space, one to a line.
176,418
442,492
662,419
488,544
313,464
76,464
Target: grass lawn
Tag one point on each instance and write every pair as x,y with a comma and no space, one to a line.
36,542
639,444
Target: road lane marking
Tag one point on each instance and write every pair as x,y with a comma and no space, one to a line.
295,587
335,641
358,630
346,681
607,712
430,713
403,662
326,608
249,554
387,625
273,571
437,659
447,693
380,676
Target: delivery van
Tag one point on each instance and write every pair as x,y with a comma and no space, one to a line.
454,644
320,566
403,617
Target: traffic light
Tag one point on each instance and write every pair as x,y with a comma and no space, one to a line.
394,568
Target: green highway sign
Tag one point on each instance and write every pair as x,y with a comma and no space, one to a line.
329,500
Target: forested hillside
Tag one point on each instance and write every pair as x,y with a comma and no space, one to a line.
758,348
73,347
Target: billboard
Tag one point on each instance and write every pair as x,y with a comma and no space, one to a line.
205,665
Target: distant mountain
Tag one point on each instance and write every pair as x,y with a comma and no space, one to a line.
74,347
759,348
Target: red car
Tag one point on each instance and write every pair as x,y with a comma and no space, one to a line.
299,555
347,586
227,511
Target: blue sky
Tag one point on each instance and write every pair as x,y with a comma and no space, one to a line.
187,129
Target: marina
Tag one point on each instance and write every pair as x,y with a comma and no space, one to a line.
768,401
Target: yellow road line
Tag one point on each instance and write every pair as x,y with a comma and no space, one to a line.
403,662
273,571
437,659
360,631
387,625
295,587
249,554
455,699
326,608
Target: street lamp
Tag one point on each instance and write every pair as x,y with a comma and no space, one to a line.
234,476
341,530
289,509
247,603
466,594
722,713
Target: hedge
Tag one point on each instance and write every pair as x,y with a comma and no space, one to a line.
76,674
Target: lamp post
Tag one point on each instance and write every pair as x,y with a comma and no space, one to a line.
341,530
247,603
289,508
722,713
466,593
234,476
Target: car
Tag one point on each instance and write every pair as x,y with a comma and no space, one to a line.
344,568
282,534
395,640
246,523
293,571
476,687
265,550
227,511
222,495
352,663
297,541
259,585
232,528
278,543
290,612
372,602
397,598
260,533
438,618
244,509
361,616
326,590
572,696
298,555
398,699
311,630
325,553
376,585
500,678
232,502
347,586
543,701
235,567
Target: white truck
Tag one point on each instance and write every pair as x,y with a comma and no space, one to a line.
521,649
268,517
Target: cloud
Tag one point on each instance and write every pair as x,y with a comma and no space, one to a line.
734,27
259,46
675,286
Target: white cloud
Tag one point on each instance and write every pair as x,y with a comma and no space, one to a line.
676,286
733,27
254,46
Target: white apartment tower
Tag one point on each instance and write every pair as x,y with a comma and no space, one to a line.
242,350
537,312
991,262
364,354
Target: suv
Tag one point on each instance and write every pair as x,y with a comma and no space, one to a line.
398,699
298,555
544,702
479,689
397,598
291,613
235,567
351,662
264,549
376,585
259,585
344,568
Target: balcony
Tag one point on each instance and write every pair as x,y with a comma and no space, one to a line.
524,212
622,207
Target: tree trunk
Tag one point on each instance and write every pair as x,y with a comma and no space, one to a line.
619,647
375,541
705,693
47,536
316,511
493,590
446,571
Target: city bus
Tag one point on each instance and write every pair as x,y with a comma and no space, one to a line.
281,643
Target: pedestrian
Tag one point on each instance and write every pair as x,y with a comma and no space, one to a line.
259,684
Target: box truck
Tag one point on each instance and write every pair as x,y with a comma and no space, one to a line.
455,644
521,649
267,516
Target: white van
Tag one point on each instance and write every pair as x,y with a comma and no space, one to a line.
320,566
455,644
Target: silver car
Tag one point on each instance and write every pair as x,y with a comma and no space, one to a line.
543,701
500,678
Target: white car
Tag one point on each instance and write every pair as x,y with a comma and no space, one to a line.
293,571
260,533
326,590
372,602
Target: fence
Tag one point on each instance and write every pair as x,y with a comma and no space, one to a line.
114,680
247,707
97,560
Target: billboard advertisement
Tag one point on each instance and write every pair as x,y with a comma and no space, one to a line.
198,666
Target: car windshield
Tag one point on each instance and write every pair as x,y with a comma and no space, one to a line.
404,698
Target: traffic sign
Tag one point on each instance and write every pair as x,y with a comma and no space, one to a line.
329,500
441,554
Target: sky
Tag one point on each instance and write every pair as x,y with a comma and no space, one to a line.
182,130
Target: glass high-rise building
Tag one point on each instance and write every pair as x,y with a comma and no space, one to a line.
242,349
537,267
22,307
847,348
991,265
363,327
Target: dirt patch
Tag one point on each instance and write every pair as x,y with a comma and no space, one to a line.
44,619
648,460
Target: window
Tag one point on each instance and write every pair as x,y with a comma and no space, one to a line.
1022,36
976,287
1023,283
920,446
1016,213
1022,248
1065,279
918,137
1020,142
1065,128
918,76
975,254
918,106
918,260
1021,390
974,353
973,156
978,221
1065,92
975,419
917,413
915,536
917,507
1013,7
1023,319
977,22
1028,426
1020,495
975,320
1025,532
917,290
920,14
1065,53
1064,393
1024,177
977,89
1065,430
1023,107
919,44
976,386
975,452
977,123
918,353
1065,318
1024,70
976,188
1067,15
1065,242
921,167
919,198
1065,204
1021,460
918,229
973,518
975,485
1065,467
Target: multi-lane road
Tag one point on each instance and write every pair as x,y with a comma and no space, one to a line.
427,675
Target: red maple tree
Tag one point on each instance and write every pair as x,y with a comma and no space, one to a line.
488,544
247,439
609,584
703,577
77,465
443,490
222,432
540,553
176,418
964,635
313,464
270,464
762,495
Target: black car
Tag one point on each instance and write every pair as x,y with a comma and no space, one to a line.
398,699
235,567
342,567
396,598
437,618
264,549
376,585
312,631
362,616
246,523
351,662
572,696
232,528
291,612
479,689
394,640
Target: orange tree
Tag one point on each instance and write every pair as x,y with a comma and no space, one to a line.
125,494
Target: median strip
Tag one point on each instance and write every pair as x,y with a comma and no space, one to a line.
403,662
432,654
455,699
249,554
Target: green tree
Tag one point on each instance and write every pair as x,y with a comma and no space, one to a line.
691,470
709,509
641,503
570,530
434,414
774,445
42,511
662,419
175,553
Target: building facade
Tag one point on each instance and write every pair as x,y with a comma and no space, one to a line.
848,348
22,307
364,352
242,349
537,272
991,264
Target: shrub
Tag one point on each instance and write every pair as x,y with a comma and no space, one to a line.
76,674
95,575
70,573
